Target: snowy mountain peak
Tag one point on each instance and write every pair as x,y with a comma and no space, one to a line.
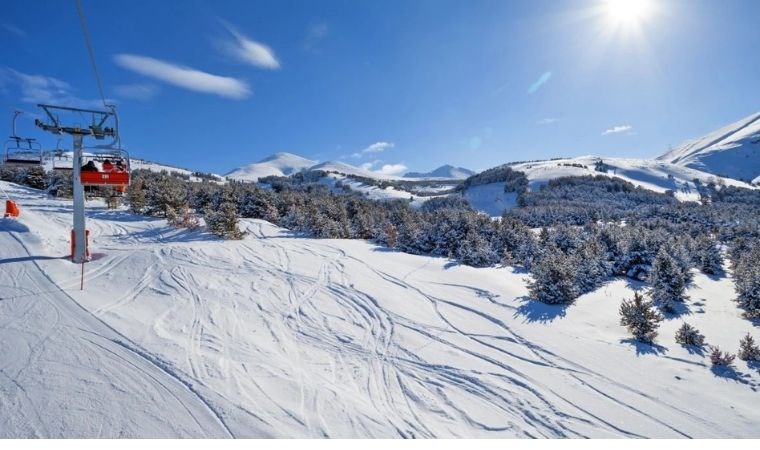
732,151
279,164
446,171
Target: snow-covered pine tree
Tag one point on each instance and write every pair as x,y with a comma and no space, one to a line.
721,358
137,195
708,256
165,192
747,281
640,317
60,184
476,251
748,349
390,235
35,177
553,278
638,257
592,266
223,222
668,285
688,335
679,249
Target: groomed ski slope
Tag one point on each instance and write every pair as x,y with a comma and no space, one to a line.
180,334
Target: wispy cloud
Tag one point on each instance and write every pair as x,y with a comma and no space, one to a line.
44,89
184,77
370,165
618,129
314,35
392,169
385,169
248,51
13,29
377,147
539,82
547,121
138,91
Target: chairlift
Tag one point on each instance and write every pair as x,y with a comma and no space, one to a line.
21,151
60,159
107,167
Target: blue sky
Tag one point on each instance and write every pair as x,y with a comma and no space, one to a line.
211,85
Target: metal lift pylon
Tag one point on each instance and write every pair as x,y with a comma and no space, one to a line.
96,129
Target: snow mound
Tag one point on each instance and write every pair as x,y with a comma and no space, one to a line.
280,164
732,151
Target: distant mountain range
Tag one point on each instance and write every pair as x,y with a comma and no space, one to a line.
446,171
731,153
284,164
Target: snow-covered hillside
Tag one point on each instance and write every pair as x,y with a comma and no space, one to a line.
658,176
279,164
447,172
180,334
732,151
654,175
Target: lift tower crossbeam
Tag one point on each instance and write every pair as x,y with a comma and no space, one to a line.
97,130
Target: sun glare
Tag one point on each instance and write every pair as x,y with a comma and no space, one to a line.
628,12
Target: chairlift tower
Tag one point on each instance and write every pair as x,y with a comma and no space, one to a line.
96,129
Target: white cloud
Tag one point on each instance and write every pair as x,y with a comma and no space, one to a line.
547,121
249,51
618,129
314,35
370,165
184,77
137,91
45,89
377,147
392,169
11,28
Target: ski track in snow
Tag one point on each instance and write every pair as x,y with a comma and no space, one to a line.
178,334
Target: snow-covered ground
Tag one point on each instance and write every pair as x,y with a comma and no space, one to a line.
490,198
375,192
180,334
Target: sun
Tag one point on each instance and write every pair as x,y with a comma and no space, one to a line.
627,13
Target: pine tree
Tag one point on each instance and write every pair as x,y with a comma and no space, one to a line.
720,358
668,285
35,177
688,335
137,195
390,235
709,259
747,281
476,251
224,222
165,192
640,317
748,349
679,249
553,278
592,267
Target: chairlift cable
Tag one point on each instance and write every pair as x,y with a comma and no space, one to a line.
90,51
